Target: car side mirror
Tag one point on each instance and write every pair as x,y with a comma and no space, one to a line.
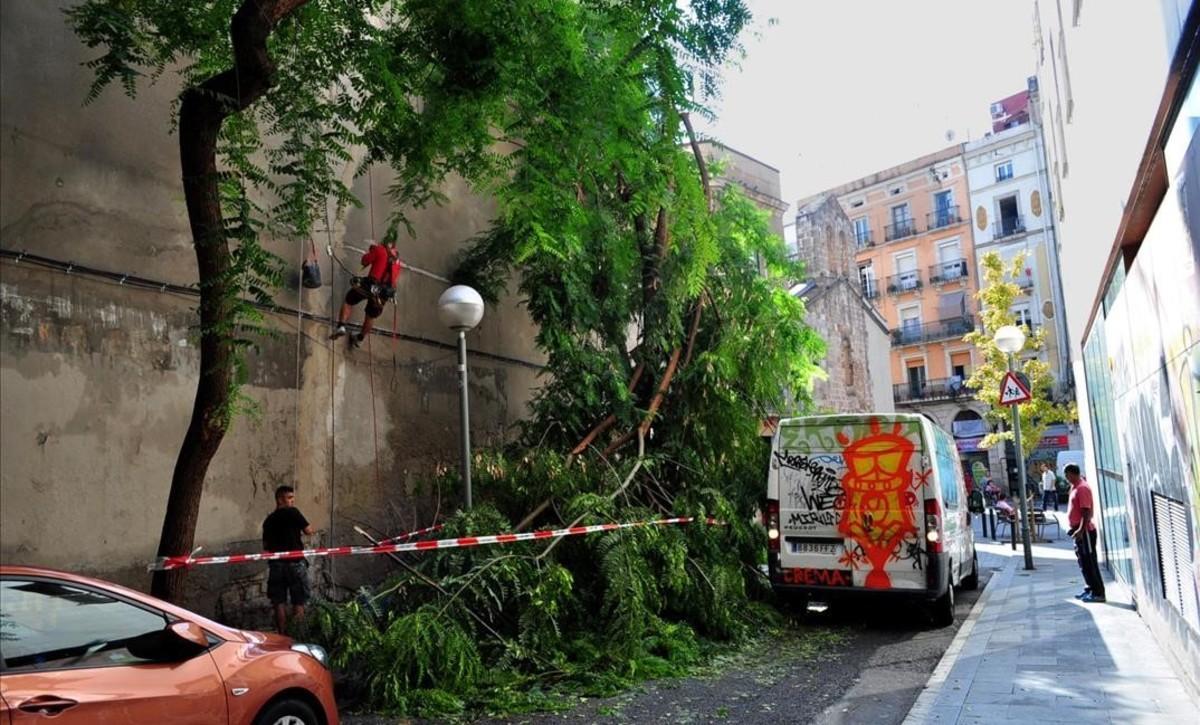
189,632
177,642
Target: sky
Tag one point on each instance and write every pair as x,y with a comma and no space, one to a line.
832,90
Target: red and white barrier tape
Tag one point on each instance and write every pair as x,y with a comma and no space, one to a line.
178,562
411,534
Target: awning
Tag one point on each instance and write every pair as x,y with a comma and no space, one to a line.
952,304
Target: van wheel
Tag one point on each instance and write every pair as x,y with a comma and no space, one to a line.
971,581
943,608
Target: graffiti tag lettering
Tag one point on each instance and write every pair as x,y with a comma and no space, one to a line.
818,577
811,518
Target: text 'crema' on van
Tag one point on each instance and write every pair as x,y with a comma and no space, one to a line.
870,505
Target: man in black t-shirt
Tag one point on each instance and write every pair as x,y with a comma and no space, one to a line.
281,532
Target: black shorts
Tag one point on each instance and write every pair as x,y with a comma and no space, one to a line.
286,578
353,297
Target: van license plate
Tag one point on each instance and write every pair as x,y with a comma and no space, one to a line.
815,547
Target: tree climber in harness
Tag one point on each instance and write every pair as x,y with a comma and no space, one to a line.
377,287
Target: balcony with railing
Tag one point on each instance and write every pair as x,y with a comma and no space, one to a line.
935,389
904,282
900,229
863,239
949,271
916,333
945,217
870,288
1008,226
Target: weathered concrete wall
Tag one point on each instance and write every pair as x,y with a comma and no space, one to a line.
97,379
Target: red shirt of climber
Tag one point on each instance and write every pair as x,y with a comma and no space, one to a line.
385,265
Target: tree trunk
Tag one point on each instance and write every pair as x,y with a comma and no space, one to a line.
202,112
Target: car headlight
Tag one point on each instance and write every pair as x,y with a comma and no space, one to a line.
316,651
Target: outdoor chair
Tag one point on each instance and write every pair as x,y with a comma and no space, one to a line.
1002,520
1043,521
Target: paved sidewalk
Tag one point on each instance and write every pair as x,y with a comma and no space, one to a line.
1030,652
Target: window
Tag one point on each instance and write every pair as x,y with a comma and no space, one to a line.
48,625
910,324
1009,216
944,211
1022,315
951,264
916,378
1004,171
856,203
960,366
866,275
997,110
902,224
907,277
862,232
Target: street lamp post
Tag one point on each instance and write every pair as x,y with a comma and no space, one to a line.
1010,340
461,308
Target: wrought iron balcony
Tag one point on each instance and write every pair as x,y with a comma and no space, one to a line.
950,271
863,238
932,331
935,389
904,282
870,288
945,217
1008,226
900,229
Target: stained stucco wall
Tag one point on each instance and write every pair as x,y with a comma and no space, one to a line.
97,379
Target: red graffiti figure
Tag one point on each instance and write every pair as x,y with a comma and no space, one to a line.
878,513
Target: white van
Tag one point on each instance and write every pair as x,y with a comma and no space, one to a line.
869,505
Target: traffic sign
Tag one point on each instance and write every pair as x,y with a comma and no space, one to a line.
1013,390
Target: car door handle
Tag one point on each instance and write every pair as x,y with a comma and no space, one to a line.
46,705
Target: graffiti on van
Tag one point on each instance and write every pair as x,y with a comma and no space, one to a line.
879,497
814,486
803,519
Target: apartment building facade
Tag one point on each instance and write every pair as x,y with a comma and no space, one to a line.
1125,191
911,231
1010,216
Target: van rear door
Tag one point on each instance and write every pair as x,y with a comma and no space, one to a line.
849,497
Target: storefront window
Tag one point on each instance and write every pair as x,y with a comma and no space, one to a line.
1114,509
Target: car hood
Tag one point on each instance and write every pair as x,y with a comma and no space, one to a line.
267,640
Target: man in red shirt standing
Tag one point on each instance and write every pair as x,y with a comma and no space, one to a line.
1080,511
377,287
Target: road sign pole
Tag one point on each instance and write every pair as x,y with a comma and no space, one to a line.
1016,423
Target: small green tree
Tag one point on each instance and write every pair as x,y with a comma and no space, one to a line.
996,298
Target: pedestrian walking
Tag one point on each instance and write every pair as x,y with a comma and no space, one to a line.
286,579
1080,517
1049,488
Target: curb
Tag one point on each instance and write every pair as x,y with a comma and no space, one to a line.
925,701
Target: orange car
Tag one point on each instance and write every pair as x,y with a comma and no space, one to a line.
80,650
